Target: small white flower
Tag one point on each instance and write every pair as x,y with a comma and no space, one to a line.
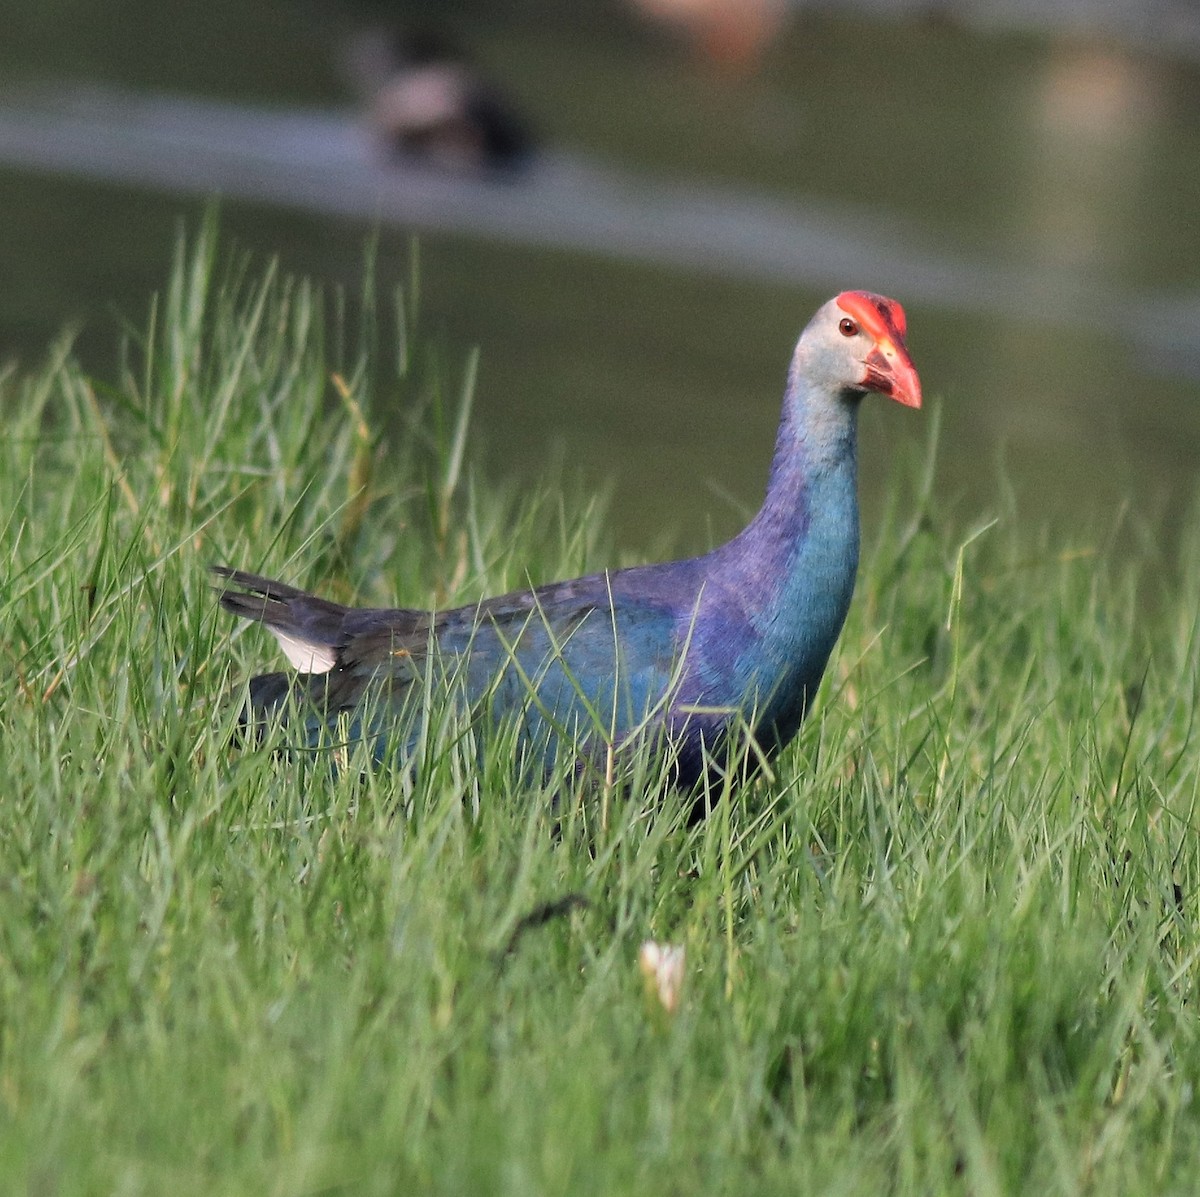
662,967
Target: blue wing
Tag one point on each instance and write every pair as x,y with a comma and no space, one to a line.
591,661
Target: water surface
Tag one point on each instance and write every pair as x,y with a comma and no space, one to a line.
1072,167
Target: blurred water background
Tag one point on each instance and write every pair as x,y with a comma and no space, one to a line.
1024,178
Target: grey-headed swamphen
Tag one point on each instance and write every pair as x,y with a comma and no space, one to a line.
684,650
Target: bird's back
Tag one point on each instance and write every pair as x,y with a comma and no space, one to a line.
591,661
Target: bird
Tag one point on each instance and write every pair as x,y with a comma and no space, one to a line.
427,102
691,653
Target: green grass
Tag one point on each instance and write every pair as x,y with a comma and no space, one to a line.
950,946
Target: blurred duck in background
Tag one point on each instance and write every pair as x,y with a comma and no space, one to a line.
426,102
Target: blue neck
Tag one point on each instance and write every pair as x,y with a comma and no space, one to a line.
792,569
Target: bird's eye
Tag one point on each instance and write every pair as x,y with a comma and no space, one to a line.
847,327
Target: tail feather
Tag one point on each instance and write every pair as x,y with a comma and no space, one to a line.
264,598
309,629
313,634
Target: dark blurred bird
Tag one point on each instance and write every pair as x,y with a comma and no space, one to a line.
426,101
684,651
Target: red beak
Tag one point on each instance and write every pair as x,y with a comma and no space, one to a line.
889,368
890,372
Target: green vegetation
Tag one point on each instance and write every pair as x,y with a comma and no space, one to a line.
950,946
